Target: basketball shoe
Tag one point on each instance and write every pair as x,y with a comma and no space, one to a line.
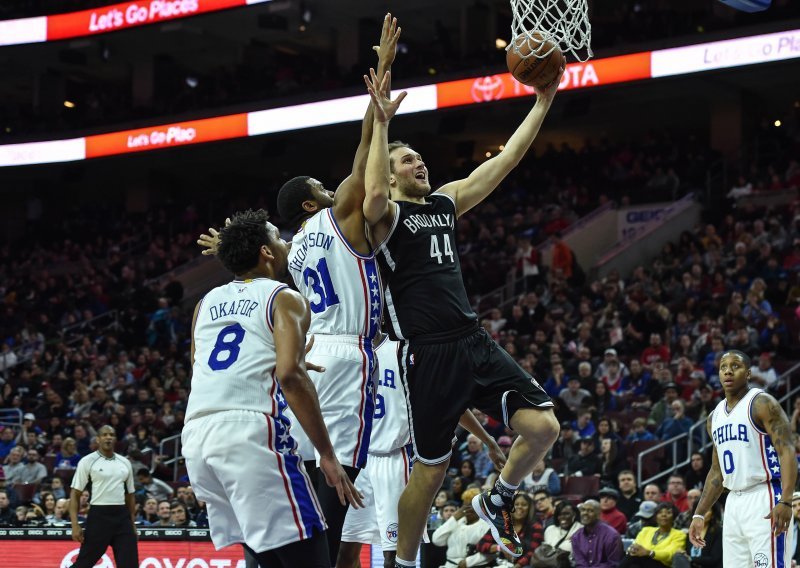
491,509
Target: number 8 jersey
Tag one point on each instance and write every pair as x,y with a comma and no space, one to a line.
745,452
234,358
342,286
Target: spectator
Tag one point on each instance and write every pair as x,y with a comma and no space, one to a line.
583,425
14,469
574,396
542,478
603,400
685,519
609,513
654,353
461,530
179,516
7,441
612,461
655,546
586,461
595,544
609,357
154,487
559,535
663,408
33,471
467,470
696,473
478,455
629,498
149,512
652,492
676,493
48,503
7,516
639,432
68,457
675,425
164,515
644,517
710,555
564,447
530,532
83,439
544,509
763,374
563,258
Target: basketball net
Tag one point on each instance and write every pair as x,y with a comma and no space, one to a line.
564,22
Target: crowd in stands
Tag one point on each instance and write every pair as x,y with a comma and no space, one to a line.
629,359
265,73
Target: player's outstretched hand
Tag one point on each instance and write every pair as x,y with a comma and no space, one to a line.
781,516
390,33
336,477
385,108
551,91
211,241
696,532
311,366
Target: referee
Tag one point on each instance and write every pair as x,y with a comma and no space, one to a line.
113,508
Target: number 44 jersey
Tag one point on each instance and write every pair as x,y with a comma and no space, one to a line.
234,358
343,287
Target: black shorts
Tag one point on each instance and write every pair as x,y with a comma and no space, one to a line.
446,376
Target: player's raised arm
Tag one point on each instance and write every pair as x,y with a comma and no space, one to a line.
292,318
376,181
350,194
712,489
467,193
769,413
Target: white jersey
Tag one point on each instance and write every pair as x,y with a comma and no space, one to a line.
390,422
745,452
234,359
342,286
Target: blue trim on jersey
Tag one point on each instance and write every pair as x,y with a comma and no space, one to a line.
270,302
305,501
772,460
780,540
339,233
375,303
369,403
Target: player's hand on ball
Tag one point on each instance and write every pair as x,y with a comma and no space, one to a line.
781,516
696,532
335,476
550,91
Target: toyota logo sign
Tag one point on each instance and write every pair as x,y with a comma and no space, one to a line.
486,89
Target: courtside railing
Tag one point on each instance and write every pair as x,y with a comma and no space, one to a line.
169,451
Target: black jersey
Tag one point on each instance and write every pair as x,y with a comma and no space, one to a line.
424,290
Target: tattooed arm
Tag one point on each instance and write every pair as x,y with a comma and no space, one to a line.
769,415
711,492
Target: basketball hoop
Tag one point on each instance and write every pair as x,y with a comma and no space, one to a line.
564,22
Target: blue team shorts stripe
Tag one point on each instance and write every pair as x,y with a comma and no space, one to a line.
369,404
306,502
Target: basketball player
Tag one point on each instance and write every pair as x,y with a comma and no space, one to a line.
450,362
247,365
754,459
333,266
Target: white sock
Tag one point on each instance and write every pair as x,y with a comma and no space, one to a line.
409,563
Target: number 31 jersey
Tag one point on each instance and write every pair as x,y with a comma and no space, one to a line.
342,286
745,452
234,358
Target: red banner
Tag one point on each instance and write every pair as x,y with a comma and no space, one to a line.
129,14
167,135
576,76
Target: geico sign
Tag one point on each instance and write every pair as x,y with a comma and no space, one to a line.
140,14
152,562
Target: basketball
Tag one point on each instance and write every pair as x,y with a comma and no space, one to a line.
534,71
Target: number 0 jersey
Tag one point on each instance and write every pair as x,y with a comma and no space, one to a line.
342,286
234,358
745,452
424,289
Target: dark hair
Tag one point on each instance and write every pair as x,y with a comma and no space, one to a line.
745,357
667,505
290,199
143,471
241,241
542,490
563,505
394,146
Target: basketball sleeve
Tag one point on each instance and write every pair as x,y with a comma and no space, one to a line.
129,486
81,477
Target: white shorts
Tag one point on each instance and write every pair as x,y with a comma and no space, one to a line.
346,394
381,482
242,464
747,539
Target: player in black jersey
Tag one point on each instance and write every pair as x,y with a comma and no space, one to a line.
449,362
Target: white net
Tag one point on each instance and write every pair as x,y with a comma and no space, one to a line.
564,22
